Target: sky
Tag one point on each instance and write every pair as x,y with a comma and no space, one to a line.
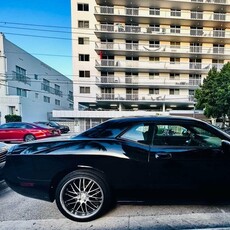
41,28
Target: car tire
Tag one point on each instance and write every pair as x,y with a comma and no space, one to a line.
29,137
83,195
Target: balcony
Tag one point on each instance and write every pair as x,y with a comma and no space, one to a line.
51,90
21,77
164,33
187,4
143,66
145,98
146,82
184,17
160,50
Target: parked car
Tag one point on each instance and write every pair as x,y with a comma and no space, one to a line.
3,150
23,131
83,174
63,128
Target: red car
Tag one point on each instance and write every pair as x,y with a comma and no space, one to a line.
22,131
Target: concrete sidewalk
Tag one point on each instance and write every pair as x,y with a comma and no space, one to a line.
217,221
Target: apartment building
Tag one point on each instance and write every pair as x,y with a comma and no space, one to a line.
29,87
144,57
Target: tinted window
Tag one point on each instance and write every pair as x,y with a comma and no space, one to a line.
177,135
139,133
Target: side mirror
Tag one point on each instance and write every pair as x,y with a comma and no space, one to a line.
226,146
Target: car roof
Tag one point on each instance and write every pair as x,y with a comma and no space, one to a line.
152,118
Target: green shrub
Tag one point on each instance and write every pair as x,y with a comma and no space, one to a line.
13,118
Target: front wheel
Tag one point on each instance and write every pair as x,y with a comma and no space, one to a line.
29,137
83,195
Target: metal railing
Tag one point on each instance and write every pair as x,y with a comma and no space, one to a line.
160,48
21,77
133,80
51,90
215,33
144,97
163,13
182,66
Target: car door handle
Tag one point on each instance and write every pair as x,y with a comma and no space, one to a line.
163,156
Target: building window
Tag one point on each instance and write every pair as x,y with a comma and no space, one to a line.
132,11
154,11
154,91
12,110
82,7
175,13
84,73
219,16
132,58
174,45
218,32
57,90
21,92
153,75
218,48
174,60
46,85
83,57
196,14
46,99
174,29
154,59
174,91
70,96
57,102
35,76
70,106
83,24
194,79
153,28
83,40
84,89
20,75
191,92
196,31
174,76
154,44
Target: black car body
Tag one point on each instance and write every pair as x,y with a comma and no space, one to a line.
62,128
126,154
3,150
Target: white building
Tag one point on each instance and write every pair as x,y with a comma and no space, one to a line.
143,57
29,87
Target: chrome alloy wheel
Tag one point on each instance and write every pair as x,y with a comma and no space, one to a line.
81,197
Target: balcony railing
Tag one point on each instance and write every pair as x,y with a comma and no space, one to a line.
21,77
161,48
51,90
133,80
162,13
182,66
144,97
163,31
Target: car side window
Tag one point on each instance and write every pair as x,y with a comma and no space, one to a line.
140,133
177,135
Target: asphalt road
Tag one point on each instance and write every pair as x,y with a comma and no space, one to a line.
18,212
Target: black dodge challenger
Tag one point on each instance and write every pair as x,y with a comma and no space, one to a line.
84,174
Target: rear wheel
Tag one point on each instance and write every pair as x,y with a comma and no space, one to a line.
83,195
29,137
